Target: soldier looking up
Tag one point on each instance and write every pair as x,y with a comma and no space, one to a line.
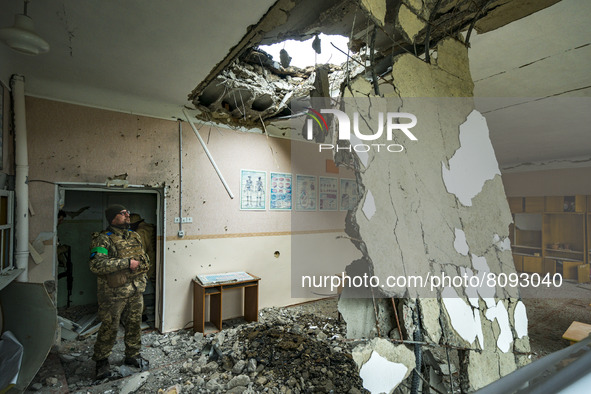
120,263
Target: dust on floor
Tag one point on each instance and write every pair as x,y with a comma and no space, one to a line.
293,349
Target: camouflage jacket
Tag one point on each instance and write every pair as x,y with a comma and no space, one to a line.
110,253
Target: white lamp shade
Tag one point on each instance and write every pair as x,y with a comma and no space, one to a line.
22,37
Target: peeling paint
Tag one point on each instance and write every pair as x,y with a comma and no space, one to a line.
499,312
465,320
473,163
460,242
471,292
503,245
380,375
479,263
369,205
520,318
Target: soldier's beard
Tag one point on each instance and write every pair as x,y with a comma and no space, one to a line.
123,226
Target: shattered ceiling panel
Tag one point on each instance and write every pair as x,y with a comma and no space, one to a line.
249,89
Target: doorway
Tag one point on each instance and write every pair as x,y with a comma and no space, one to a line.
84,209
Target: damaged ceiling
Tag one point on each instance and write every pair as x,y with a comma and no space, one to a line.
146,57
249,89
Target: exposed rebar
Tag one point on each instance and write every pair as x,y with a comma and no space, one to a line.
428,32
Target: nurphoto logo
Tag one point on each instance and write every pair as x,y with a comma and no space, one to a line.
344,130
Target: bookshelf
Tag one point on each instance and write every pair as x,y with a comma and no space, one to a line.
551,234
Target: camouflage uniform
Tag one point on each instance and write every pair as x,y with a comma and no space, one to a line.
119,289
147,233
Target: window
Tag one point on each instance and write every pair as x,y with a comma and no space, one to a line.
6,230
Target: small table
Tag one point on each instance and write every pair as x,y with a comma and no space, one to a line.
215,292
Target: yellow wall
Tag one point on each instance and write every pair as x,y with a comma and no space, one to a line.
71,143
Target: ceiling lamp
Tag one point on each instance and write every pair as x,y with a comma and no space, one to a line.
22,36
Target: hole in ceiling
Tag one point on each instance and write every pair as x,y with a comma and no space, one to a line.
237,99
304,55
263,102
211,94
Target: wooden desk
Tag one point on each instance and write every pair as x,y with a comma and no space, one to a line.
215,292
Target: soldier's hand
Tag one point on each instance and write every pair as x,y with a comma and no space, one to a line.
134,264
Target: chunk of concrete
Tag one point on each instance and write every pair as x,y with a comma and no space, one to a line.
379,355
482,369
450,58
360,315
409,23
430,311
376,9
505,336
380,375
134,383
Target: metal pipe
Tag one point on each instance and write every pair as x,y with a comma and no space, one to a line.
428,32
372,61
181,178
21,187
484,5
217,170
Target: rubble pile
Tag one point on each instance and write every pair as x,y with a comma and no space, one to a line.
287,351
255,88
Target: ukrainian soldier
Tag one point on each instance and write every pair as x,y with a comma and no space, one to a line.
147,233
120,263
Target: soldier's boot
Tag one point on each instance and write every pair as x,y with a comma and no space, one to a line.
138,362
103,369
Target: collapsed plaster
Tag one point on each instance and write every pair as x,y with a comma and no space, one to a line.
474,163
383,365
437,207
250,91
426,222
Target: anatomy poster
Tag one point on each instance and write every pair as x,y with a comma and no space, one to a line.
253,190
328,189
305,193
280,196
348,194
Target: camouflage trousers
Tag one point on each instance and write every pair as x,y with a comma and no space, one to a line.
112,311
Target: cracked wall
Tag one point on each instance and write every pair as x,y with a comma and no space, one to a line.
438,207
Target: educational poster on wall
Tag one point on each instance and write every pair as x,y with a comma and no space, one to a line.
280,195
348,194
253,190
305,193
328,190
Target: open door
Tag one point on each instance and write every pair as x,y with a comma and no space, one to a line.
84,208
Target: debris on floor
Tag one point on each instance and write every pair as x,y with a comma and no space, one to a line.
290,350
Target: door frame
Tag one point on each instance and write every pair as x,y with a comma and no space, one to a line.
160,192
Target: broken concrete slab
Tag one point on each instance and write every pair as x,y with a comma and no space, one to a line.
360,313
427,227
430,311
409,24
380,354
134,383
376,9
481,369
